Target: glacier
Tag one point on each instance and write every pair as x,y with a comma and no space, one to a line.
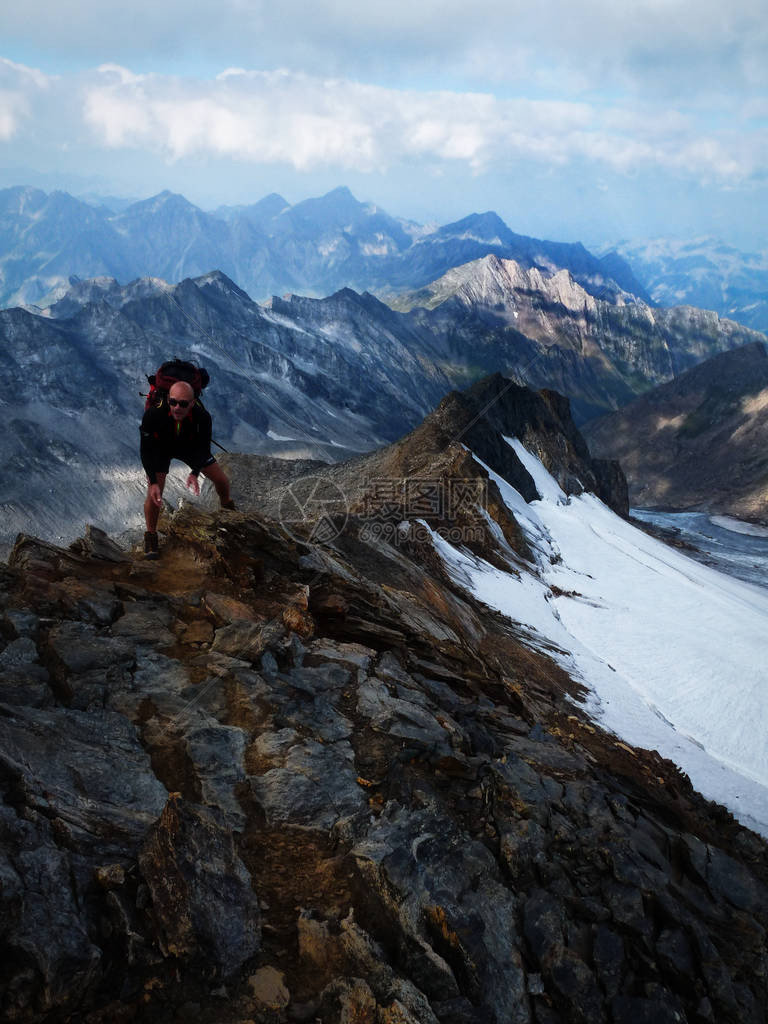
670,650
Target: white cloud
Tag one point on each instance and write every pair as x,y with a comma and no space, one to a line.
13,73
309,122
265,117
121,74
10,106
18,86
524,107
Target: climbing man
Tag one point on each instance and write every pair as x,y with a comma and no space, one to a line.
177,429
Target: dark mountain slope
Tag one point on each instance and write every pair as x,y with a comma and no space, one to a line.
698,442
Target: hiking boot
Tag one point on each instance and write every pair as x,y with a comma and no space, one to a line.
150,545
229,505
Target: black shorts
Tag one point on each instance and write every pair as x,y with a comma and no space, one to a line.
163,462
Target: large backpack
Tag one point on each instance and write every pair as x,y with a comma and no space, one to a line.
161,382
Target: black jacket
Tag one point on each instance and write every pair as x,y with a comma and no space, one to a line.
162,439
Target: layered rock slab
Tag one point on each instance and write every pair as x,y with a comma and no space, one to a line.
402,814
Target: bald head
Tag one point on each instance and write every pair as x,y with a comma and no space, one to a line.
181,392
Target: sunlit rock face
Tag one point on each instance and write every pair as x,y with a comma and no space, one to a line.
548,329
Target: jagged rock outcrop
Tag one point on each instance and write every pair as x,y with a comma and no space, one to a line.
273,778
497,407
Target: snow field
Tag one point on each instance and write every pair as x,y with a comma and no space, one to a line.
672,651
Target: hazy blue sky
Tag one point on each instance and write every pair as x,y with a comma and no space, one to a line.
592,120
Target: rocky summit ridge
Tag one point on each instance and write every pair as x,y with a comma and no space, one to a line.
285,774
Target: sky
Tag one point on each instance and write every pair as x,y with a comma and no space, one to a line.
594,121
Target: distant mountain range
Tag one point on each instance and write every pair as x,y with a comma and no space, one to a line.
302,377
699,442
297,376
704,272
314,248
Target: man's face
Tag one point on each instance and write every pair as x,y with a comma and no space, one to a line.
180,393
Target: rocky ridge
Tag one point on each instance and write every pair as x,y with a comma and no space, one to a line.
278,777
440,450
549,330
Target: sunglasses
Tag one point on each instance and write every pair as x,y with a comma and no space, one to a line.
181,402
